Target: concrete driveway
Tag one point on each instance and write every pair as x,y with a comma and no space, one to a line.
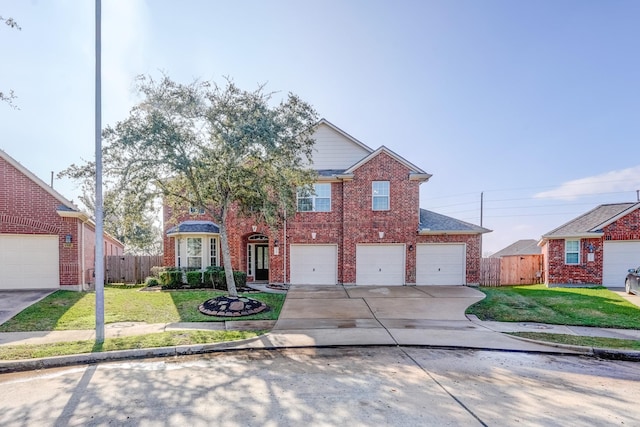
386,315
13,302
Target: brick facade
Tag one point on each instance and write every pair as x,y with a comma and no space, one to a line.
558,272
350,222
28,208
587,271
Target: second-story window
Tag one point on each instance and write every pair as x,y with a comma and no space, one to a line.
380,195
317,199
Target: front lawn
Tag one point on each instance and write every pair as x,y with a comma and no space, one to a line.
65,310
560,306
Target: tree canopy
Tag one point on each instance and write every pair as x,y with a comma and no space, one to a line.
213,147
9,96
134,223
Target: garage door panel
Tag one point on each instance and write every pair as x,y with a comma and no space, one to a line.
380,265
29,262
617,259
440,264
314,264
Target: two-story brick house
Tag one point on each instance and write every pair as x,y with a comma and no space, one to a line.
361,225
46,242
596,248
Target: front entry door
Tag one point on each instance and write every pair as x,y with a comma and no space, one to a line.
262,262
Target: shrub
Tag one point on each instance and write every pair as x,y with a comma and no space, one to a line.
240,277
216,276
194,278
152,281
156,270
171,278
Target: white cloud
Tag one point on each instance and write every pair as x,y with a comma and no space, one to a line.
609,182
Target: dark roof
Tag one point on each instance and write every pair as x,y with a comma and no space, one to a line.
195,227
592,221
330,172
431,221
65,208
521,247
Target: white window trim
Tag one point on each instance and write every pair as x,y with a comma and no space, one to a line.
566,252
387,196
313,198
214,246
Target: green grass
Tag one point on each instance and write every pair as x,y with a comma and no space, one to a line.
164,339
66,310
560,306
597,342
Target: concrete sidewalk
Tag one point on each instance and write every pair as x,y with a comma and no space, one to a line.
317,316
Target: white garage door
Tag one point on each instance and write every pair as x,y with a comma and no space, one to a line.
380,265
440,264
28,262
618,258
314,264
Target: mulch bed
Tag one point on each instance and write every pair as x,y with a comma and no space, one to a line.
232,307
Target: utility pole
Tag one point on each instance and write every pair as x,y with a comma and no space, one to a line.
481,207
638,195
99,261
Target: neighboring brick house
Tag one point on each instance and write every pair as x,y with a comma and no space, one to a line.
46,242
596,248
363,225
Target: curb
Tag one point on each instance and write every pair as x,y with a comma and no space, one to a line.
242,345
109,356
603,353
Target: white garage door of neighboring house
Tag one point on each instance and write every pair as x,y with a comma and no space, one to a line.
314,264
617,259
440,264
29,262
380,265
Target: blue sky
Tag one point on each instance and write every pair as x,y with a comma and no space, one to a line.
534,103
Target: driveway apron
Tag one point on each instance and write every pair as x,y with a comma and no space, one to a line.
13,302
387,315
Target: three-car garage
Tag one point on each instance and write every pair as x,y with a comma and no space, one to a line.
380,264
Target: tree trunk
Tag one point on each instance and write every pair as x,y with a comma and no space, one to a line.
226,257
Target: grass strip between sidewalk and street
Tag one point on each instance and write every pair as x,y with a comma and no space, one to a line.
68,310
595,342
164,339
596,307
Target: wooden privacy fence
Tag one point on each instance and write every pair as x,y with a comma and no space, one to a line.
490,272
130,268
512,270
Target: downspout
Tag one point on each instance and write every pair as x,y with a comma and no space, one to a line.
284,250
84,273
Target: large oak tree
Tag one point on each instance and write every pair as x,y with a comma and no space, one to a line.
214,148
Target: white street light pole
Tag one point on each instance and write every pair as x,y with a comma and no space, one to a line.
99,261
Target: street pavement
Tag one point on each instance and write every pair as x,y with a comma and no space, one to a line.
324,316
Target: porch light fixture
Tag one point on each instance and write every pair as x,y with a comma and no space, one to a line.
381,234
313,235
275,243
68,238
254,228
410,248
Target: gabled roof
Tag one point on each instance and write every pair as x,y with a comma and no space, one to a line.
67,206
415,170
591,223
326,122
521,247
434,223
199,227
